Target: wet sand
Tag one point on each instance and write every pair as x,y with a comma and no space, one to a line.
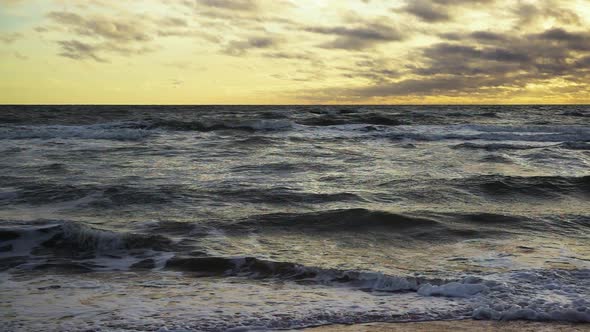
455,326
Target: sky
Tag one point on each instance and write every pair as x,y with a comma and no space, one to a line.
294,51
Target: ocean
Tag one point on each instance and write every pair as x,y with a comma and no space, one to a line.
254,218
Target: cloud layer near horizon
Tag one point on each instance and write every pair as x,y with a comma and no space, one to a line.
295,51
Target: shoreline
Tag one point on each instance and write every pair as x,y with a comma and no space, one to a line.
455,326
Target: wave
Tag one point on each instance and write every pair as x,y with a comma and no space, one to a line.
529,294
282,195
77,245
108,131
76,236
68,238
341,220
135,131
230,124
573,136
409,229
493,133
348,119
483,187
253,267
535,186
496,159
115,196
405,228
494,146
576,113
93,195
575,145
516,295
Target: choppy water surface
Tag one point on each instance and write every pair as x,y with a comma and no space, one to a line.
211,218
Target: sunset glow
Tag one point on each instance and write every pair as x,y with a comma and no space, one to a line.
294,51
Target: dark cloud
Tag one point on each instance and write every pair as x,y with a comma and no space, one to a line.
462,2
78,50
359,37
583,63
480,62
436,85
290,55
374,69
240,47
486,36
173,22
434,11
426,11
579,41
246,5
528,13
450,52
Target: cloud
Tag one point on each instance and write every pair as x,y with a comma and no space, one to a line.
246,5
426,11
479,62
78,50
125,35
10,38
487,36
172,22
434,11
529,14
358,37
579,41
437,85
419,48
240,14
20,56
240,47
290,55
374,69
121,30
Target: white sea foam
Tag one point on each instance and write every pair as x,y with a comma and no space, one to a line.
381,282
272,306
542,295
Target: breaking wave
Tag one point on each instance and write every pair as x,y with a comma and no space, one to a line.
72,239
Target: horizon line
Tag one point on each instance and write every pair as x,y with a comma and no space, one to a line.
204,105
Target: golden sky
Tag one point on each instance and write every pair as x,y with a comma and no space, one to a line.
294,51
